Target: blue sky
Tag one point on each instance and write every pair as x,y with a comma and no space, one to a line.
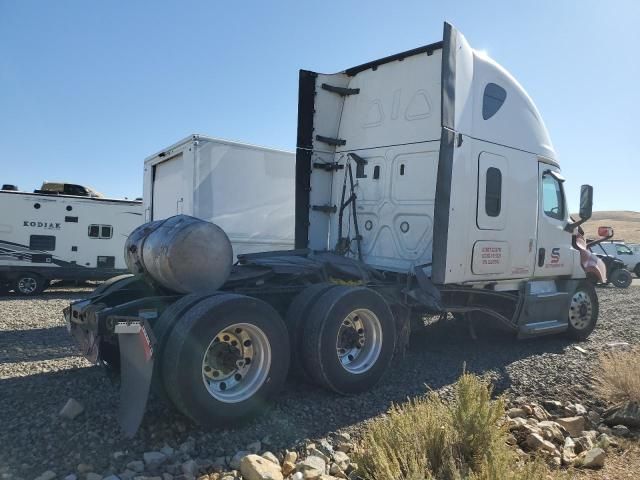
88,89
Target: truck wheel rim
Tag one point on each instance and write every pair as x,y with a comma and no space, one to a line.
27,285
236,363
580,310
359,341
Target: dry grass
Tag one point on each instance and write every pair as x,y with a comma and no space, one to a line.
626,224
618,379
428,439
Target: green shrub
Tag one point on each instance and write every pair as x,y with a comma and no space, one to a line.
428,439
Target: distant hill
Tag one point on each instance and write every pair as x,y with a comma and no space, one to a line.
626,225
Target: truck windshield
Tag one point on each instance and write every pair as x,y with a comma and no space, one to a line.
552,197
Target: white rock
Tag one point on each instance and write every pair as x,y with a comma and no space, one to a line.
620,431
234,463
291,456
190,467
311,465
298,476
153,459
573,425
136,466
271,457
341,459
594,458
71,409
167,450
254,447
254,467
48,475
536,442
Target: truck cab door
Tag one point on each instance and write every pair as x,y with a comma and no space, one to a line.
554,253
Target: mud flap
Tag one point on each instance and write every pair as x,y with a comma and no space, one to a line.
136,343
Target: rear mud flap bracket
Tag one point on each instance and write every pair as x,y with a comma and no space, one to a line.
136,342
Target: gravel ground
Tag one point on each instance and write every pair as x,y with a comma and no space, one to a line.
40,371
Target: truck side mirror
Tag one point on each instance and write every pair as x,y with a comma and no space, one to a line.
586,202
605,232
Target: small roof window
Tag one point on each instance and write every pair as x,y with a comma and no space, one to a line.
493,98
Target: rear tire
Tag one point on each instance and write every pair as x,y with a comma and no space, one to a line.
296,319
349,339
583,311
621,278
29,284
637,270
208,377
162,329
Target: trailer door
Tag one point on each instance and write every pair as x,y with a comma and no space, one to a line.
167,188
553,255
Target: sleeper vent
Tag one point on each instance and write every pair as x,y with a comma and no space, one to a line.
342,91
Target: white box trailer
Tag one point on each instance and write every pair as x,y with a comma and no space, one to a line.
249,191
47,236
426,184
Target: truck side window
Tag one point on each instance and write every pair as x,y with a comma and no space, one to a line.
493,98
552,197
94,231
42,242
493,192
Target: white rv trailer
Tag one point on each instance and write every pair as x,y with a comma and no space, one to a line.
47,235
249,191
426,183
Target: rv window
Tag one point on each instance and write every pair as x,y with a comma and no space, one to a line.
552,197
106,231
42,242
493,192
94,231
493,98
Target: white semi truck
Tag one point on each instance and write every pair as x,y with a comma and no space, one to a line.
426,183
202,176
61,231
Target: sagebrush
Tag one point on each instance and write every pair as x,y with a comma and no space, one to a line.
429,439
618,379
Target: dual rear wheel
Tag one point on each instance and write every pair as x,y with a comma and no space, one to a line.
223,356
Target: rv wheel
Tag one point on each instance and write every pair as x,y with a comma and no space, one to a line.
621,278
29,284
225,359
349,339
637,270
583,311
296,318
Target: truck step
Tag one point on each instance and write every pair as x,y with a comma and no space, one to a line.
542,328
